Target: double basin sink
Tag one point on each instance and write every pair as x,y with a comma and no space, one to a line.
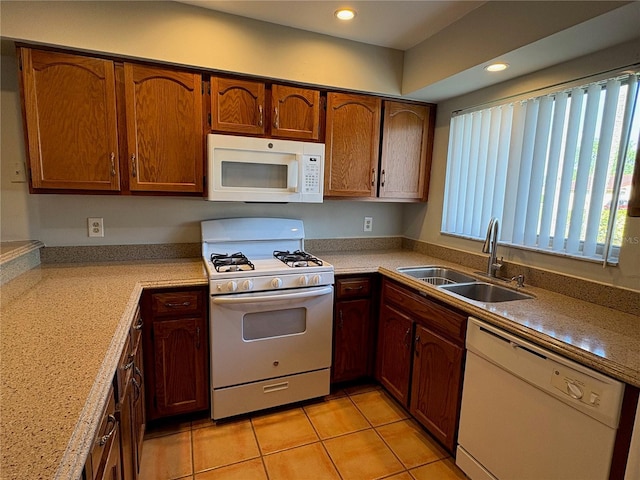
462,284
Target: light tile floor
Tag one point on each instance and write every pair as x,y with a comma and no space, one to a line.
359,433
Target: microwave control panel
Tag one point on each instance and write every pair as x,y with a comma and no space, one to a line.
311,174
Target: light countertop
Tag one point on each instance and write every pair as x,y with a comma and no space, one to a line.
63,328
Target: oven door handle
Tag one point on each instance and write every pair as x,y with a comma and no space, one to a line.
278,297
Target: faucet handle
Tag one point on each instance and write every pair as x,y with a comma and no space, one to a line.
519,279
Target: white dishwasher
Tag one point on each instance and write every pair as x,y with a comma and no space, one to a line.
529,414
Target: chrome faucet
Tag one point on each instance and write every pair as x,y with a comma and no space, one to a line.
490,246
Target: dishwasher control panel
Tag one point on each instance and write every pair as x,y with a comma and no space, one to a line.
575,386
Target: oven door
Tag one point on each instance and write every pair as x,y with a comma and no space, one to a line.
258,336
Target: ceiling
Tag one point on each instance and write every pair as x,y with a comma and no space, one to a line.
393,24
557,32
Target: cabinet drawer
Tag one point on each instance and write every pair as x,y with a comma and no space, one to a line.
433,315
176,303
353,287
125,369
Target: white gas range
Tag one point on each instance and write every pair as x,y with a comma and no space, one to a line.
271,314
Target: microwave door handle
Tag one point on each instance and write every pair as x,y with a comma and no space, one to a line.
297,172
222,300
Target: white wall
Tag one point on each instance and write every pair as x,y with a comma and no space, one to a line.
187,35
423,221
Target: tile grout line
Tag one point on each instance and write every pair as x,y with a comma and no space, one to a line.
321,441
405,469
255,436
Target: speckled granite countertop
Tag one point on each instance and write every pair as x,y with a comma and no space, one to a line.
63,329
603,338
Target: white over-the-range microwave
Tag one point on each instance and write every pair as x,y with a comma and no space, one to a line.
249,169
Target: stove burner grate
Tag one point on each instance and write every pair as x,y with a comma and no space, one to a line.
235,262
297,258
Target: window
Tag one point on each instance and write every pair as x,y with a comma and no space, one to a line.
555,170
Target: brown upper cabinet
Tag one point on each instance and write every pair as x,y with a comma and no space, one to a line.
91,127
242,106
165,135
407,141
356,165
70,121
352,144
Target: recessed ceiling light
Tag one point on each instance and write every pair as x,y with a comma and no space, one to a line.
496,67
345,14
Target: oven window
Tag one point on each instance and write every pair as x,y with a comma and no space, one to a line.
277,323
254,175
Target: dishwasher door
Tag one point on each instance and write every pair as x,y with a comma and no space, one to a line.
528,414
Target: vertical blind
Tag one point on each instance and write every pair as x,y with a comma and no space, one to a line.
551,168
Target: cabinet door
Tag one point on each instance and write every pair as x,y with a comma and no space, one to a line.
165,134
296,112
435,390
70,119
352,143
394,352
407,139
237,106
181,359
351,340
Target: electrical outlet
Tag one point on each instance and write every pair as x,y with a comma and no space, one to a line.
95,227
368,224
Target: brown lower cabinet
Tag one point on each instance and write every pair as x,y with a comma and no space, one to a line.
420,357
130,410
176,351
104,461
353,328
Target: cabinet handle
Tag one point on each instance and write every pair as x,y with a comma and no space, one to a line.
259,115
406,336
105,438
417,344
113,164
373,177
382,179
359,287
340,320
177,305
198,338
276,123
130,363
134,170
138,325
136,386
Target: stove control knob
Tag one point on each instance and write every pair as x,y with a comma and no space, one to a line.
232,286
303,281
276,282
315,280
247,285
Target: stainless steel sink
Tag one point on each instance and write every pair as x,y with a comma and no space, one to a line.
436,275
485,292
